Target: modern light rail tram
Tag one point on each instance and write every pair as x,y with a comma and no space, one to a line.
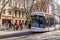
40,23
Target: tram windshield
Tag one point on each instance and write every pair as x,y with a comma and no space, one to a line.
38,21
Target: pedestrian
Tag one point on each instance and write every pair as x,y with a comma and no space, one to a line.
15,25
29,25
7,25
20,25
10,26
26,24
4,26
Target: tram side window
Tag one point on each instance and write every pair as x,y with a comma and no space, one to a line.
51,21
56,22
47,22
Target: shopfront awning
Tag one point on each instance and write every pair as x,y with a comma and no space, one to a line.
49,15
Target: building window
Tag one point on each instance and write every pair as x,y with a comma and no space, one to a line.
22,21
48,9
23,15
15,13
15,4
9,12
0,0
3,1
19,14
3,11
10,3
19,5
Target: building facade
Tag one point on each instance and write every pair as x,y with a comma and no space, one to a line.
43,6
14,10
39,6
56,10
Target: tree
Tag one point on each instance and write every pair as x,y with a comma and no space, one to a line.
3,8
42,5
30,9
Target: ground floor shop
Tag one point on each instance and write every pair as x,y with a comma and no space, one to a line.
11,19
52,19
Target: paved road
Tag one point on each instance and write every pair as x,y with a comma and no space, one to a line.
54,35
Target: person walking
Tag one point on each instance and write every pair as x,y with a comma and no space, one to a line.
20,25
13,26
7,25
16,25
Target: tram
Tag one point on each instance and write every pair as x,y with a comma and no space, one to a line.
40,23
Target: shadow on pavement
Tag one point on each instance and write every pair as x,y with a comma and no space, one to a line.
20,34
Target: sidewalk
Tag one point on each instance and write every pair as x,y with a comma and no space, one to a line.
7,32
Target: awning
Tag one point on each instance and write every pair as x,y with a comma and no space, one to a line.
49,15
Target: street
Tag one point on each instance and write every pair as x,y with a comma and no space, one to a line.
19,17
54,35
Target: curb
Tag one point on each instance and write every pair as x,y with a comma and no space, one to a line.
10,32
13,34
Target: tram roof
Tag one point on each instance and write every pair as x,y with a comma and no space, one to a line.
38,13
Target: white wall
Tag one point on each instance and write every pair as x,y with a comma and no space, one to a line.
50,9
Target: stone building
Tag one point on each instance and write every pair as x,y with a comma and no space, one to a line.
14,10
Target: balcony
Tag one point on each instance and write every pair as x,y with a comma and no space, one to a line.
16,8
19,9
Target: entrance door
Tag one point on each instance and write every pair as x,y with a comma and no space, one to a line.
4,20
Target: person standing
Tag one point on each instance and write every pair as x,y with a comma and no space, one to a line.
29,25
26,24
7,25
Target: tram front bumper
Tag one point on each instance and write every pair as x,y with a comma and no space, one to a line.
36,29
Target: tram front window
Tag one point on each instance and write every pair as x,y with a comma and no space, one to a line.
37,21
41,22
34,21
